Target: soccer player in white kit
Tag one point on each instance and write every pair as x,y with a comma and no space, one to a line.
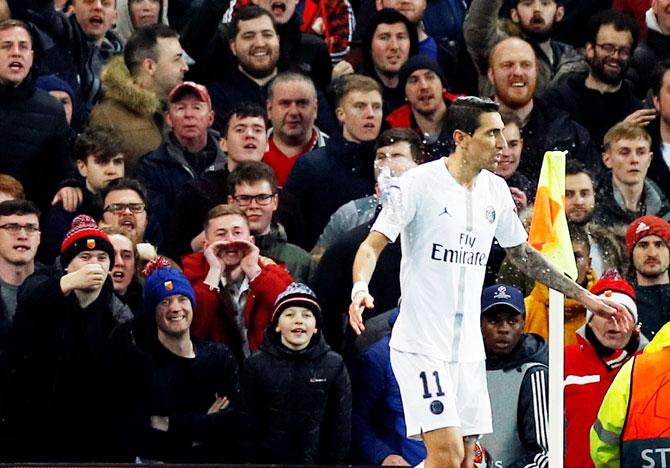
451,210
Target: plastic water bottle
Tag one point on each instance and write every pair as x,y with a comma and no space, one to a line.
391,196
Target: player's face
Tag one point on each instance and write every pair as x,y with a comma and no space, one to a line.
502,329
609,333
511,155
296,325
629,160
579,198
651,257
485,146
174,315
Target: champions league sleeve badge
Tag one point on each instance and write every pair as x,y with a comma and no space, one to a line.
490,214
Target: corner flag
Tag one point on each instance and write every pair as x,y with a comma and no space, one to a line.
549,228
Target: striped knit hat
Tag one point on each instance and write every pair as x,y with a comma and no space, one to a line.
84,235
297,295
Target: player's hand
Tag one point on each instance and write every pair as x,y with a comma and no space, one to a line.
69,197
91,276
641,117
362,300
395,460
608,309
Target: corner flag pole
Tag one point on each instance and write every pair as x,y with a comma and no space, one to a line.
549,234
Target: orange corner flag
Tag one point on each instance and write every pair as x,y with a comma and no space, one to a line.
549,228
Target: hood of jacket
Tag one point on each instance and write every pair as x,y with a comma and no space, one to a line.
531,348
119,86
124,27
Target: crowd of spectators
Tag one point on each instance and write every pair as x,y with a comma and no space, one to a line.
184,186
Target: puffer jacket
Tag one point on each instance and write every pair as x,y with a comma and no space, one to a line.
296,405
134,113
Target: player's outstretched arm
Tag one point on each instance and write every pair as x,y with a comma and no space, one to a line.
364,265
536,266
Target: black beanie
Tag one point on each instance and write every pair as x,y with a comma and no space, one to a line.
418,62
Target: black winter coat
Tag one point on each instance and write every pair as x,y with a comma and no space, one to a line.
71,377
296,405
34,140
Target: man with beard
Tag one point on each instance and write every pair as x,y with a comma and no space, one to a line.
599,99
292,108
536,19
255,44
647,245
513,73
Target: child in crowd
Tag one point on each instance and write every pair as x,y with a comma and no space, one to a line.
296,395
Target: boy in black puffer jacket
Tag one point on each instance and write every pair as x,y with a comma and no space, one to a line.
296,394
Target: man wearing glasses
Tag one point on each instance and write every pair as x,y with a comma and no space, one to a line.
601,98
19,238
254,189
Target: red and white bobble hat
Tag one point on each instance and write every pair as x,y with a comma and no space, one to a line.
613,287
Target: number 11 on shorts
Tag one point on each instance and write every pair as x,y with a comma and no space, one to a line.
426,391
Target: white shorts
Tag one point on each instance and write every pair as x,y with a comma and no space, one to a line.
437,394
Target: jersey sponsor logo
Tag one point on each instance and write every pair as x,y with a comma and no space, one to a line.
436,407
490,214
465,254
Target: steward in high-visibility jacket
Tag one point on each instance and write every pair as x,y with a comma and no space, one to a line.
633,425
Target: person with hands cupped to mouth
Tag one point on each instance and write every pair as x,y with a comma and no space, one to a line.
235,286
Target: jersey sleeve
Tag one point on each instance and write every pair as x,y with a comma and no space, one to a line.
509,231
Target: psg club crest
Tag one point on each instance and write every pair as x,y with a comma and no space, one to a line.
490,214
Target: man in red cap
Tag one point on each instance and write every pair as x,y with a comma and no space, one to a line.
647,246
186,152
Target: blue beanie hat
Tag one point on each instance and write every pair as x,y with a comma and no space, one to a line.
164,281
54,83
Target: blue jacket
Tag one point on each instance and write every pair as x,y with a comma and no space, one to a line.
378,420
